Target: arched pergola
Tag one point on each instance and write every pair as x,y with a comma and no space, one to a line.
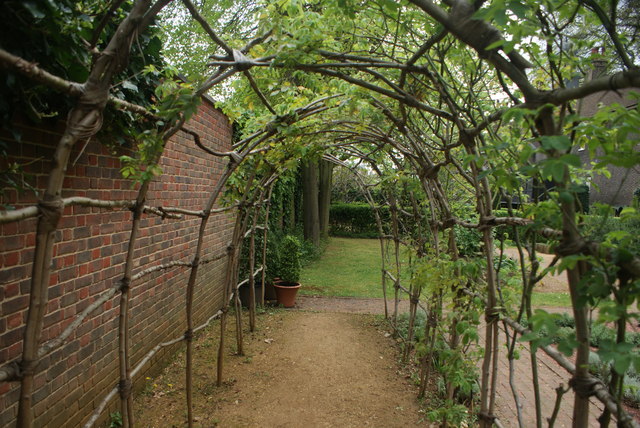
450,103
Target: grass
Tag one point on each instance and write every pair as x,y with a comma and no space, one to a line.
348,268
351,268
562,300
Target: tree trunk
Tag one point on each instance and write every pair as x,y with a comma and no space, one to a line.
324,195
311,217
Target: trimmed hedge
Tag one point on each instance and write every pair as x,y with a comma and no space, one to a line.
355,220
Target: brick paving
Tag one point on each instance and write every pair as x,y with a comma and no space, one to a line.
550,374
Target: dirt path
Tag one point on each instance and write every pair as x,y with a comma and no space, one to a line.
324,364
301,369
550,373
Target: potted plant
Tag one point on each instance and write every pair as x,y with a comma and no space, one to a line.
289,269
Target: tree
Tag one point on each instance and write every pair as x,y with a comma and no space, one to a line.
324,195
310,211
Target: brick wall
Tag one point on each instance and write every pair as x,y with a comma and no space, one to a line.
89,256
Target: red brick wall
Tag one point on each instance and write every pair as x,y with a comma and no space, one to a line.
89,256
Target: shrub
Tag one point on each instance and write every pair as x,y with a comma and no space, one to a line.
565,320
289,267
634,338
600,332
273,256
563,333
583,195
309,251
599,368
355,220
418,329
631,391
599,227
468,241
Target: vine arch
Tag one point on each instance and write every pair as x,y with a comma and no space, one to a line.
429,117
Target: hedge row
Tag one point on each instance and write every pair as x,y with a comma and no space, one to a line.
355,220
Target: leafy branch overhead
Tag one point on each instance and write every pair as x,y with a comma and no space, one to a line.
454,108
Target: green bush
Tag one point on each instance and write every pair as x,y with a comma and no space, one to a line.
583,195
599,368
505,232
289,267
418,329
600,332
565,320
468,241
355,220
598,228
633,337
631,391
273,256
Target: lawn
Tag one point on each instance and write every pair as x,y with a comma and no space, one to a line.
348,268
351,268
562,300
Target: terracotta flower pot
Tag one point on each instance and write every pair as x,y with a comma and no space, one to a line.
286,293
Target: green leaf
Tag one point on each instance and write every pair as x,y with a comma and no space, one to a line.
636,363
518,9
129,85
555,142
571,159
33,8
618,234
554,169
606,350
528,337
567,345
495,44
621,363
565,196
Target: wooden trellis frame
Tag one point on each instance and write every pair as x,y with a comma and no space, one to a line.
32,353
86,117
433,190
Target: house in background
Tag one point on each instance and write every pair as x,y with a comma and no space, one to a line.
617,190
